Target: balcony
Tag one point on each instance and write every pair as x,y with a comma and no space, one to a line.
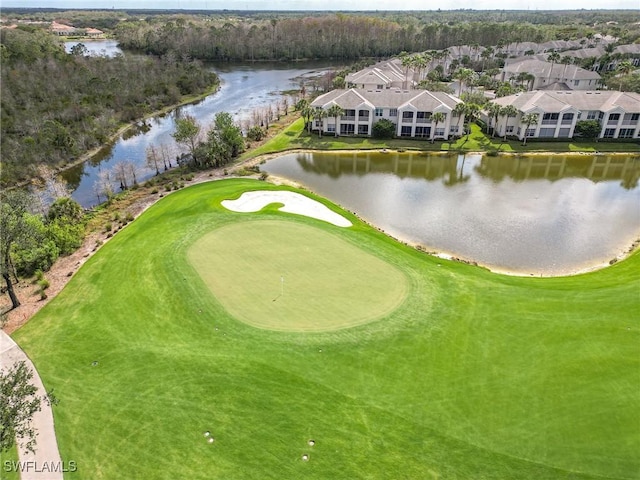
423,120
567,121
348,118
551,122
362,118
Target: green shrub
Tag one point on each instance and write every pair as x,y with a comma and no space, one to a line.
67,237
255,133
40,257
383,128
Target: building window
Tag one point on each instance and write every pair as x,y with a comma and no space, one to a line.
363,129
577,82
379,112
564,132
509,129
331,127
423,117
349,115
423,132
439,132
613,119
609,132
626,133
592,115
550,118
635,117
567,118
545,132
407,115
405,132
347,129
530,132
393,112
379,87
454,129
363,114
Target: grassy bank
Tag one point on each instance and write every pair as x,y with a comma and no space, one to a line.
474,375
296,137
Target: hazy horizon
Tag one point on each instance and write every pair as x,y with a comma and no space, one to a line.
325,5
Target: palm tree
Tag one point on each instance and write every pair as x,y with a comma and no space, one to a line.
624,68
464,76
493,109
437,118
553,57
472,111
486,54
566,61
406,61
460,110
529,119
307,112
507,111
319,113
335,111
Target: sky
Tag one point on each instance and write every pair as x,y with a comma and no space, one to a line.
329,4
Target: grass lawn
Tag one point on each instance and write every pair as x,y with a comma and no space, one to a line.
9,469
474,375
296,137
330,284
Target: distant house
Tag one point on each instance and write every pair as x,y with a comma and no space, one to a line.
629,52
546,74
93,33
559,111
410,110
383,75
63,30
68,30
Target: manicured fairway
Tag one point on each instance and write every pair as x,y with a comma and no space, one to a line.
284,275
471,376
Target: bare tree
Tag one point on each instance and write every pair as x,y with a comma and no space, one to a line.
120,171
153,159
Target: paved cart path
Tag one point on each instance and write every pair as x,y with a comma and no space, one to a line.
45,463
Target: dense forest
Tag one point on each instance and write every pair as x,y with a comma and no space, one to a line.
57,106
337,36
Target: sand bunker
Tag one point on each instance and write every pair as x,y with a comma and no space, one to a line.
293,203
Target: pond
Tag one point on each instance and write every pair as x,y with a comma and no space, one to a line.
542,215
107,48
244,88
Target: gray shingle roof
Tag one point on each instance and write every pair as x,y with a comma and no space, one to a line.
582,100
547,69
392,98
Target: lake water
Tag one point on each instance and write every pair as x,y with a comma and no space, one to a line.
104,47
244,88
537,215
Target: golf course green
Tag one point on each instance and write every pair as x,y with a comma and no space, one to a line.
176,352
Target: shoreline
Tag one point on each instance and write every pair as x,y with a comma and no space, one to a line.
85,157
622,254
65,267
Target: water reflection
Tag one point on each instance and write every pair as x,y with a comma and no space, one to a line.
543,214
107,48
244,88
451,167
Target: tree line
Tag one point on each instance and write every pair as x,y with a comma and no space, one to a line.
57,106
329,36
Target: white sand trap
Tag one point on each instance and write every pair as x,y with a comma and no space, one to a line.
293,203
